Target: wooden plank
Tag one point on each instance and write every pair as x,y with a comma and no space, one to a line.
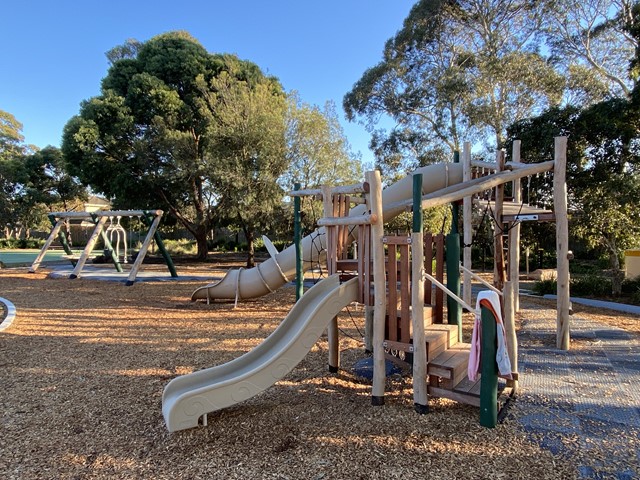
392,282
539,217
405,295
439,241
396,240
428,268
436,343
362,249
450,330
455,396
468,387
344,222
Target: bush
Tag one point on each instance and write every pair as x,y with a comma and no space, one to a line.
591,286
181,247
631,286
545,287
21,243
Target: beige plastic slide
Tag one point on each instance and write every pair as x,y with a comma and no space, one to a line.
189,397
272,274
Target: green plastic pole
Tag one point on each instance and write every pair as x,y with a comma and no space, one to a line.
489,371
454,310
61,236
148,219
417,203
297,240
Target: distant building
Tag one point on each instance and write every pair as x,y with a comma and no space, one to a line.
95,203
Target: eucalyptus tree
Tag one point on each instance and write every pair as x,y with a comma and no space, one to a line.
457,70
591,42
318,153
145,141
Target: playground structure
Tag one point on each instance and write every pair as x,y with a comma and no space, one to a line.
398,316
108,233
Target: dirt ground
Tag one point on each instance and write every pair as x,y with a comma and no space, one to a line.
85,363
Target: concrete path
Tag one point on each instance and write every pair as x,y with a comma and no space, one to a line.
584,404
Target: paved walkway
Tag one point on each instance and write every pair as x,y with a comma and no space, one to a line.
584,404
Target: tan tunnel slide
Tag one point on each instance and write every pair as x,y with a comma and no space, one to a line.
189,397
272,274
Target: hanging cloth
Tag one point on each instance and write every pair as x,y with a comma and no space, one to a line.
490,300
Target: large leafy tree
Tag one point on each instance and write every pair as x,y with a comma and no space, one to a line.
604,154
318,153
32,182
456,70
247,139
145,140
591,43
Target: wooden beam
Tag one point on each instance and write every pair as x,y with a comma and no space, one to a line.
379,289
514,231
562,242
467,229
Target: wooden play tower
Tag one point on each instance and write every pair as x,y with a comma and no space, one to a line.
402,284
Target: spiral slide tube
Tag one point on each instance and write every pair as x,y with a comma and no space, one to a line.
239,284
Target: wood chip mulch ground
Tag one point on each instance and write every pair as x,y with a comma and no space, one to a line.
85,363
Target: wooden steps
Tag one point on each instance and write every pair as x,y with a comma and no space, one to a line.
448,376
451,365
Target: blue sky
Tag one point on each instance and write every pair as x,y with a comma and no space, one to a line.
52,53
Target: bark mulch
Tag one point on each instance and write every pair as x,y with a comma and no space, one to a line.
85,363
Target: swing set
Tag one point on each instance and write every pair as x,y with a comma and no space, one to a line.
114,231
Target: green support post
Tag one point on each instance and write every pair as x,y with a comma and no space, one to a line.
417,203
148,220
488,371
61,236
454,310
297,240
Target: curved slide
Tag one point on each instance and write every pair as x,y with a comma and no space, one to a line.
281,267
189,397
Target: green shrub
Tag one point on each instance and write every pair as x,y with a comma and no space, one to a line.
21,243
181,247
545,287
631,286
591,286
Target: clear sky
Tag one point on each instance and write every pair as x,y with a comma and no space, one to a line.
52,52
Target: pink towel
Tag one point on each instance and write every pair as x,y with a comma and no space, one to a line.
490,300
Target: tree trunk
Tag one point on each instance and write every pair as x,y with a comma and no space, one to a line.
617,275
201,242
250,248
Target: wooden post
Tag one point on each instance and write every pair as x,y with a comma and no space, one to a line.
498,243
510,329
89,248
467,213
297,239
562,241
379,289
332,245
514,235
420,397
489,371
54,231
143,250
